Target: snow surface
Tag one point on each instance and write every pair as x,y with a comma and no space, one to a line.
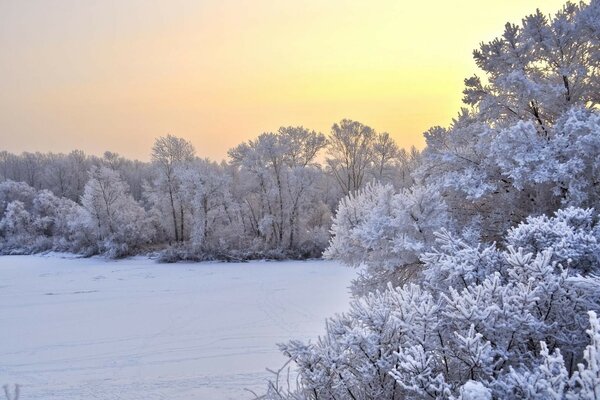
134,329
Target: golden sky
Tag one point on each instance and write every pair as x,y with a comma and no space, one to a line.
115,74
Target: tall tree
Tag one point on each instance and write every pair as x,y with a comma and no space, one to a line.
539,69
280,164
170,153
350,153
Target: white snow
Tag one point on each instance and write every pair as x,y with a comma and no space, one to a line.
473,390
135,329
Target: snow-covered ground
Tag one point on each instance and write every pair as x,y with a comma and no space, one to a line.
135,329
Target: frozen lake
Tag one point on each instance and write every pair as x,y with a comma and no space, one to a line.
135,329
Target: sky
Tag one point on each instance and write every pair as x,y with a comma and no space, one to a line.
116,74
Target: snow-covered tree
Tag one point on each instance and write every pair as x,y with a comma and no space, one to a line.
170,155
492,168
350,153
386,154
119,223
37,221
214,218
538,70
16,226
60,222
12,191
280,182
529,142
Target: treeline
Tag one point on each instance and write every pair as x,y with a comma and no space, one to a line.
273,198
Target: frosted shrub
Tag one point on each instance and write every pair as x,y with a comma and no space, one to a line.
44,222
549,377
572,234
478,314
386,232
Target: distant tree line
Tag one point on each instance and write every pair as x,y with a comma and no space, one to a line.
274,197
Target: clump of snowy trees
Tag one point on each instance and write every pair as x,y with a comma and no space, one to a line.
272,199
511,317
480,277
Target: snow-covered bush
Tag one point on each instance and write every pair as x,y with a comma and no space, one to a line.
15,191
550,378
17,228
43,222
386,231
573,235
473,317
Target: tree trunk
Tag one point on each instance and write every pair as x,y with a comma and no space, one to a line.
174,213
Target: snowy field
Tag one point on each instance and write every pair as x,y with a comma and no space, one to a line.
135,329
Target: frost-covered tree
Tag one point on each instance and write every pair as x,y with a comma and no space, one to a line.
357,155
492,168
400,173
57,174
214,217
66,174
135,172
60,224
7,166
16,226
529,142
170,154
273,199
350,153
119,224
538,70
206,185
12,191
565,163
280,179
79,165
386,154
35,221
32,169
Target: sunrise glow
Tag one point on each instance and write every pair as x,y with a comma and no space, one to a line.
114,75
